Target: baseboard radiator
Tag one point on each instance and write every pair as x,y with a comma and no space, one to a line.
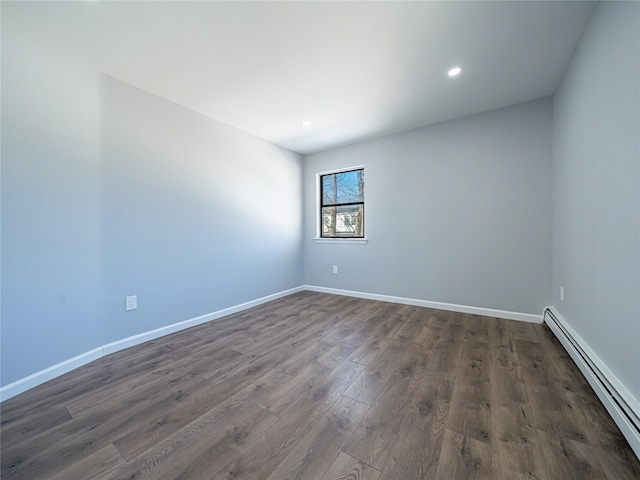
619,402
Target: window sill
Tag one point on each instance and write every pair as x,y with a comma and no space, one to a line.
350,241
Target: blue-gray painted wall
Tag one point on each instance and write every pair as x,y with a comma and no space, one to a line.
109,191
596,254
458,212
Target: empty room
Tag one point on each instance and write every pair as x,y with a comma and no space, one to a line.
320,240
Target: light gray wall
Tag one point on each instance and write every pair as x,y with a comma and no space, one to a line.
596,190
458,212
51,232
109,191
197,216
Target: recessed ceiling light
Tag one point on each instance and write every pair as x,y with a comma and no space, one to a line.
454,71
305,123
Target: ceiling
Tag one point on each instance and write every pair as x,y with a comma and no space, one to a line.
355,70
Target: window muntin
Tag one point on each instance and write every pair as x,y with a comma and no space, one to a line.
342,204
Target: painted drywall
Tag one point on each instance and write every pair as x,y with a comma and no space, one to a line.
110,191
596,221
51,232
199,216
458,212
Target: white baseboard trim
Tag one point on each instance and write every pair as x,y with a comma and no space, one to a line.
38,378
623,407
487,312
192,322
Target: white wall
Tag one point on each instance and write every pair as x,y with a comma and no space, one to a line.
458,212
596,190
109,191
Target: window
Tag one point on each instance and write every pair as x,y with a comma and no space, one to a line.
342,204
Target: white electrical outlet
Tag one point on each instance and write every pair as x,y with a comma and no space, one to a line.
131,303
335,269
562,294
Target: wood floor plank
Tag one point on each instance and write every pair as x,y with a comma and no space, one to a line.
476,328
428,337
316,451
508,389
567,459
618,461
388,319
589,413
311,377
47,454
295,336
273,351
136,392
393,471
502,343
417,449
523,331
272,324
367,351
345,467
226,327
32,423
464,457
372,440
103,374
470,411
319,354
277,443
553,411
412,326
359,326
237,431
438,318
474,365
516,451
183,453
322,386
314,398
50,451
233,409
279,327
94,465
567,376
168,421
536,369
395,357
445,356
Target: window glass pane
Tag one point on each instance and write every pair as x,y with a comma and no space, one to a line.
345,187
343,221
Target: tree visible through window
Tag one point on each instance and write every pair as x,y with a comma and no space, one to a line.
342,204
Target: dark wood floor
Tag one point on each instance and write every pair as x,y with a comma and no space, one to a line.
318,386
